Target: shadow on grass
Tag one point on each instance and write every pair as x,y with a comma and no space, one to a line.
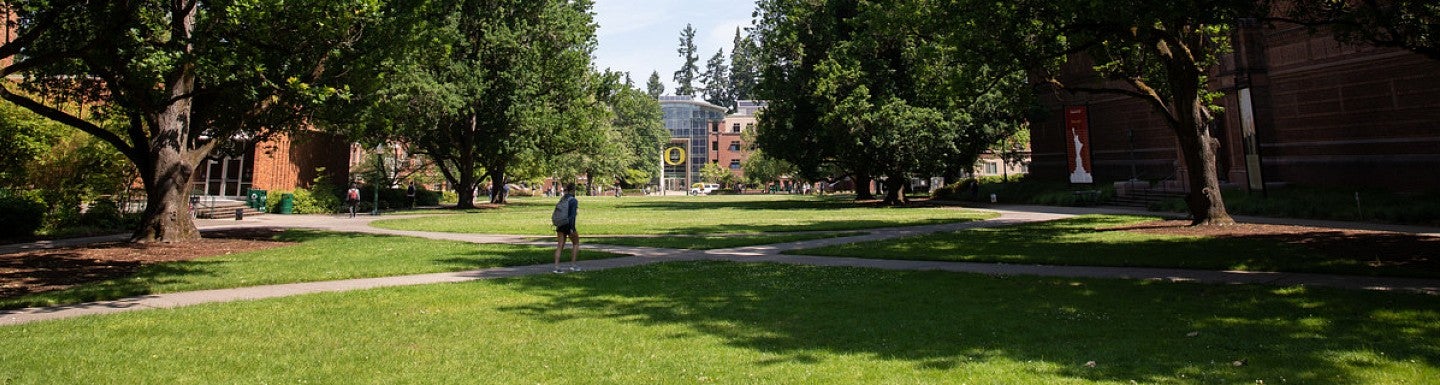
134,281
1134,330
1076,241
834,224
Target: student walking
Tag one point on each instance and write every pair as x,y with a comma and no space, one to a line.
352,199
564,220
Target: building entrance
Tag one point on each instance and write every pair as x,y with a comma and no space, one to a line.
226,177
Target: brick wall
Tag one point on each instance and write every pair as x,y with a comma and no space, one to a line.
288,161
731,146
1326,114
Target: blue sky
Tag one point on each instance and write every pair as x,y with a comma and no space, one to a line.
640,36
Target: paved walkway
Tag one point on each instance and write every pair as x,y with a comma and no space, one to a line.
1009,215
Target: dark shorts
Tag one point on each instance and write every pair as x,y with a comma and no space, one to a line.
566,229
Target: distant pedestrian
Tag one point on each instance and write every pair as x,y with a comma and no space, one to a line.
352,199
564,220
410,192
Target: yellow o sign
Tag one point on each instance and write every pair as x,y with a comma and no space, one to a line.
676,153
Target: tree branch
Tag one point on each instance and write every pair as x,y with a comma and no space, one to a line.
71,120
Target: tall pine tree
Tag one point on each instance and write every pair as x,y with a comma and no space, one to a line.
654,87
716,82
685,77
743,68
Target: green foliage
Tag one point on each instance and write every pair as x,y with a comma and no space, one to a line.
634,177
874,90
638,124
744,66
26,136
1405,24
685,76
490,89
715,84
714,173
146,81
654,87
104,214
21,214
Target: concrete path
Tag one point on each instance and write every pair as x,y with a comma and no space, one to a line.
1010,215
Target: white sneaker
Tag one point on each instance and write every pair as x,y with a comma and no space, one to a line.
558,271
574,268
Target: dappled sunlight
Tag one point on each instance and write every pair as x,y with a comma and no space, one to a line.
1080,329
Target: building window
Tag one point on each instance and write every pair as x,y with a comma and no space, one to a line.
734,164
735,127
734,146
749,126
991,168
715,146
715,127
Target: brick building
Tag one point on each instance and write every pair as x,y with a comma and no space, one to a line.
280,163
727,145
1299,109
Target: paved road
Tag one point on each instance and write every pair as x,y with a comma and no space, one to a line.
1009,215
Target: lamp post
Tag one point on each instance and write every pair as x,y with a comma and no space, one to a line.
380,160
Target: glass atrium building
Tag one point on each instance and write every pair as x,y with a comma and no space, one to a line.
690,123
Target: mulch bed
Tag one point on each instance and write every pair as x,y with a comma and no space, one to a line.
1382,248
35,271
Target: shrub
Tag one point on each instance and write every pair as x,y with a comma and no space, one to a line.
103,213
22,215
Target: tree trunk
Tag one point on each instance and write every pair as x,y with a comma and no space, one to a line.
465,190
167,215
1191,124
497,189
862,187
166,174
894,191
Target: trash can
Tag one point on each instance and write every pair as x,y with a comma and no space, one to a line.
287,203
256,199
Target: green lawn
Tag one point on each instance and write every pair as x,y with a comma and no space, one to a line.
714,322
317,256
1077,241
701,242
686,215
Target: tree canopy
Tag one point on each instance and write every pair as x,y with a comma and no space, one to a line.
490,91
685,76
170,81
869,88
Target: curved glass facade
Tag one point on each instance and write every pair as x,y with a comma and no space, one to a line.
690,122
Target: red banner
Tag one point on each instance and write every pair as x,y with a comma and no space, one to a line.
1077,144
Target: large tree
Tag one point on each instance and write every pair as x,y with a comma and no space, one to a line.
685,77
488,90
715,82
887,98
1160,53
654,87
744,69
170,81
